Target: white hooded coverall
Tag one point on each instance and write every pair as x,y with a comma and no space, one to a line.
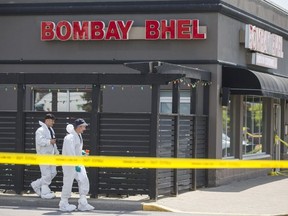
72,146
43,146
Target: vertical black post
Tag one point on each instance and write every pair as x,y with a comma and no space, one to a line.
153,193
193,110
55,101
206,112
20,137
236,116
94,138
206,100
175,110
283,114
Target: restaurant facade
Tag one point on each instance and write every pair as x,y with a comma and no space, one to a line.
242,45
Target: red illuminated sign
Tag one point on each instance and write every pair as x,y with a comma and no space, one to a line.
182,29
175,29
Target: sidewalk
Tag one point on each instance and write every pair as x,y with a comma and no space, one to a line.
133,203
261,196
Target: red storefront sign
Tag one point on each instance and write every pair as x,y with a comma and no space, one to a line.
182,29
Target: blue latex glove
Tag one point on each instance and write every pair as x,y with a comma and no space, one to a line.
78,168
85,152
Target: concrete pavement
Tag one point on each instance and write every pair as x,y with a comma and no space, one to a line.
133,203
261,196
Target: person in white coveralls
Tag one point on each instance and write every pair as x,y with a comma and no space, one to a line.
72,146
45,141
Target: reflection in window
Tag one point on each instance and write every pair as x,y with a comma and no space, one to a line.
166,102
226,150
252,125
74,101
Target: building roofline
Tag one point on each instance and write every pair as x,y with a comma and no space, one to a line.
124,7
276,6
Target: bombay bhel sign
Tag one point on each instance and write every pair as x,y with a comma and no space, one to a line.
260,40
174,29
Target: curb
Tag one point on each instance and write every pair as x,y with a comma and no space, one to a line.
156,207
100,204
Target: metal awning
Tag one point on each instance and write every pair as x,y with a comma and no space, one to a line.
153,72
168,68
88,78
247,82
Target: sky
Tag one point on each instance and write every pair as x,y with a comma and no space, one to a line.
281,3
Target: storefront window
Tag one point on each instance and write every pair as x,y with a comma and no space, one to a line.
252,125
226,150
8,95
65,101
166,102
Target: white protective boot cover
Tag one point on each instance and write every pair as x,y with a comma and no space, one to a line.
66,207
46,193
83,204
36,188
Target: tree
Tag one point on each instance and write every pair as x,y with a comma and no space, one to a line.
87,96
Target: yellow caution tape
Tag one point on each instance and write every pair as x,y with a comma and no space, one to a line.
136,162
277,138
253,135
277,173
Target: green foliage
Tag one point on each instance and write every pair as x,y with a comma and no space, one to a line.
256,111
87,96
225,119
